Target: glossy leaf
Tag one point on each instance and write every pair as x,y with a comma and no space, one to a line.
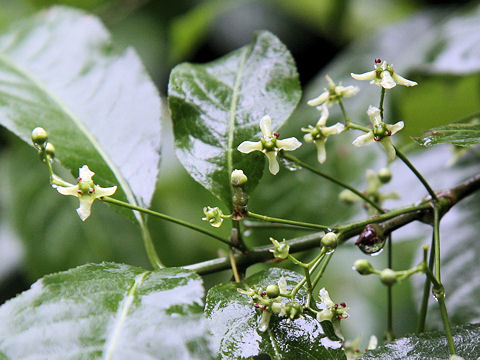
462,133
218,105
107,311
233,322
430,345
60,70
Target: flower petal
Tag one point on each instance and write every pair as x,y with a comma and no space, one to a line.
69,190
396,127
249,146
347,91
402,81
308,138
100,192
325,315
85,173
371,75
387,144
323,118
86,202
364,139
325,298
266,126
321,152
333,130
387,80
319,100
272,162
288,144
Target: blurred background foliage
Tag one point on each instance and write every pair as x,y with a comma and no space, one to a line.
40,232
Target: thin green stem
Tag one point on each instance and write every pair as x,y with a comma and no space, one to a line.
426,290
297,262
436,238
332,179
311,266
446,325
322,270
352,125
417,174
166,217
290,222
344,112
389,333
382,98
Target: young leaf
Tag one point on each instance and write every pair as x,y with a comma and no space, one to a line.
462,133
59,70
218,105
233,322
107,311
430,345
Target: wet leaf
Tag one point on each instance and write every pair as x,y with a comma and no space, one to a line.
107,311
218,105
462,133
233,322
60,70
430,345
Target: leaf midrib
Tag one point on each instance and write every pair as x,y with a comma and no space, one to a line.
43,88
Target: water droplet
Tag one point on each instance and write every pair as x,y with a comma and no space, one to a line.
427,141
371,241
290,165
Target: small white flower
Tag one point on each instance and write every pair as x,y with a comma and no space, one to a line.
384,76
86,191
332,312
381,133
269,144
320,133
333,94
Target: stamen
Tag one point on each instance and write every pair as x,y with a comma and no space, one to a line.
79,191
377,138
79,179
276,134
378,61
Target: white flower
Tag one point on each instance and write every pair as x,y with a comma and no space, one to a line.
333,94
332,312
269,144
381,133
384,76
320,133
86,191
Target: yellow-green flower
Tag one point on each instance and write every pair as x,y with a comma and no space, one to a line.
86,191
333,94
269,144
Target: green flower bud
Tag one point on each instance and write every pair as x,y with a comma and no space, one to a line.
213,216
384,175
329,240
50,150
388,277
363,267
273,291
348,197
39,136
238,178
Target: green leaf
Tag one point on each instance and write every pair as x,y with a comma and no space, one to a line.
107,311
233,322
430,345
60,70
462,133
218,105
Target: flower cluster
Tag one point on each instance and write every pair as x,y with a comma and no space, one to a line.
269,144
268,301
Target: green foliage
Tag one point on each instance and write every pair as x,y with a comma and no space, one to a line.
107,311
234,322
218,105
430,345
462,133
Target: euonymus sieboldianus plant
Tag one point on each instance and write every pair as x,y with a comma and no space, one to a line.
227,117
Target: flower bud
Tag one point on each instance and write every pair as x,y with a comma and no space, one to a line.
363,267
213,216
281,249
273,291
384,175
39,136
238,178
348,197
388,277
329,240
50,150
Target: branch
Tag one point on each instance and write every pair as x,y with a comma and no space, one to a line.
388,222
